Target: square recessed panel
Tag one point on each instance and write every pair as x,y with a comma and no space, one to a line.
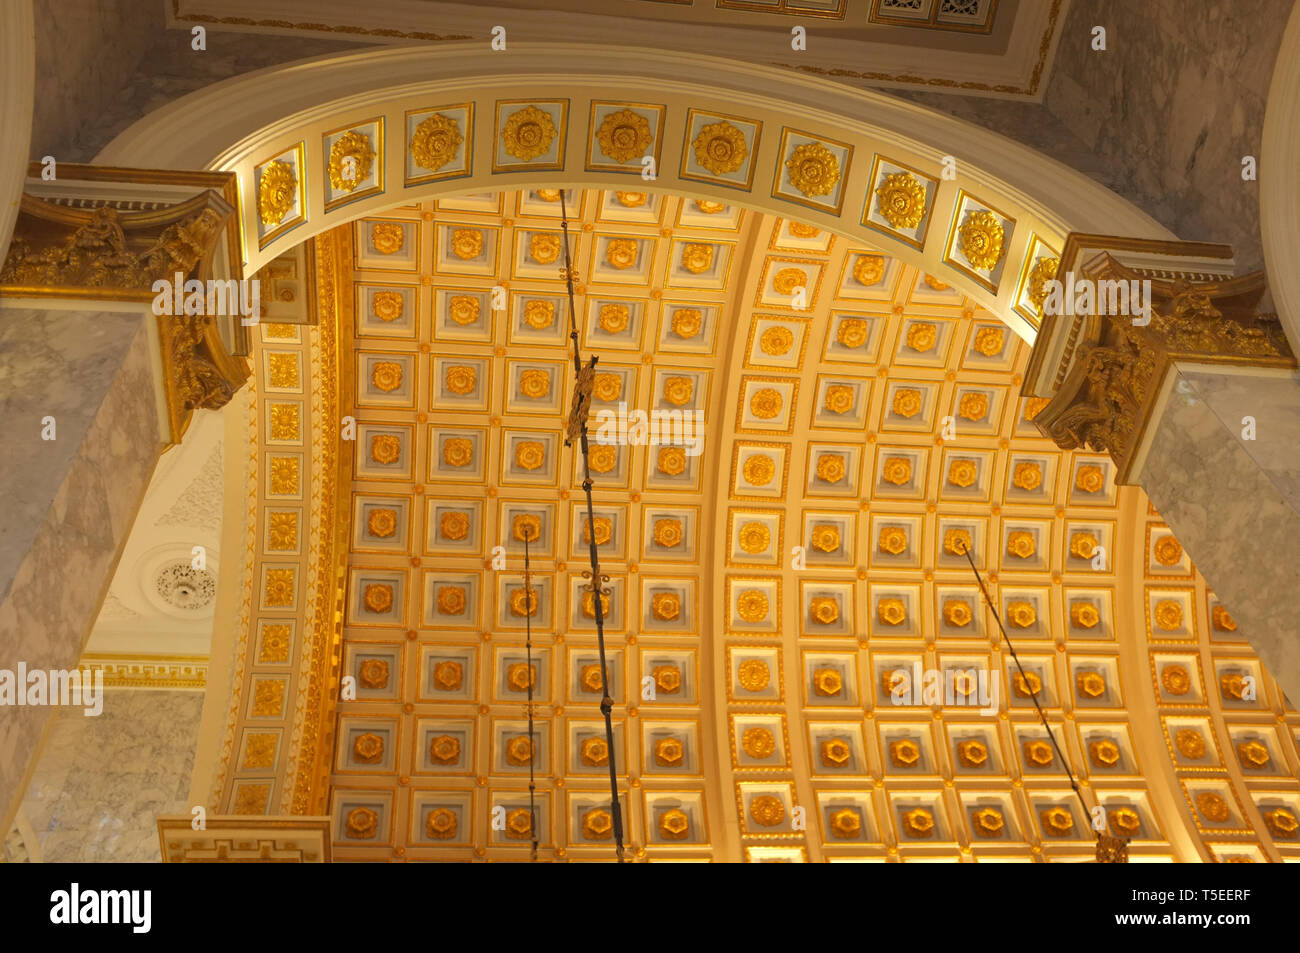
451,600
790,284
354,162
281,178
514,605
909,406
841,402
387,244
924,342
755,674
709,214
826,608
623,259
538,318
1039,269
457,455
629,207
833,470
453,526
381,524
673,676
460,383
534,387
529,135
699,264
608,523
900,201
755,537
796,236
776,342
386,311
439,143
530,457
894,611
376,597
623,135
667,605
670,533
830,680
720,149
688,327
469,250
531,522
854,338
613,322
754,605
760,469
462,314
386,380
814,171
829,538
870,276
979,240
767,404
539,252
383,451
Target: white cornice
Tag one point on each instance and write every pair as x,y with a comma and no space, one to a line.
1279,182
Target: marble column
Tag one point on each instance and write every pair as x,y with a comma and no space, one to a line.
70,501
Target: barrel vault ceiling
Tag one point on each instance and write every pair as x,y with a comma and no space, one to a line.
762,594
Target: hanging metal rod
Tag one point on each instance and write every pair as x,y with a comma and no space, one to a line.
528,643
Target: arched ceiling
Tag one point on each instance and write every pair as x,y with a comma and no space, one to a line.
872,429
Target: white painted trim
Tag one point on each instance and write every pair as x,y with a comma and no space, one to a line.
1279,182
17,100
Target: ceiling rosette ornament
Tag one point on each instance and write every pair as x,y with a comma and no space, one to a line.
814,169
720,147
277,187
528,133
624,135
981,239
902,200
435,141
351,157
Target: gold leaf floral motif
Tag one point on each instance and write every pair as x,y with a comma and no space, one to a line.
548,195
1190,743
835,752
451,600
1022,615
766,403
671,461
544,247
962,473
388,305
846,824
758,743
631,199
624,135
1035,405
988,821
1040,275
597,824
891,611
905,753
1169,614
893,540
759,469
1038,752
463,309
275,643
368,748
382,523
1089,479
1084,615
767,809
973,753
435,141
1176,679
1221,620
907,402
825,537
589,605
720,148
604,527
964,682
1213,807
454,525
378,597
897,470
918,822
827,682
387,237
526,526
614,318
981,239
1104,753
607,387
386,375
989,341
839,398
668,678
666,606
753,675
709,207
1027,476
1232,686
282,532
974,406
534,383
441,824
674,824
668,533
268,697
814,169
373,673
1168,551
697,257
519,824
751,605
520,674
458,451
1090,684
956,613
530,455
621,253
284,470
539,314
830,468
1057,821
603,457
956,542
776,340
825,610
678,391
1027,685
669,752
1083,545
935,284
1281,823
788,279
461,379
851,332
593,682
519,750
351,157
754,537
687,322
595,752
902,200
921,336
444,749
284,421
362,823
802,230
467,243
528,133
277,190
869,269
1021,544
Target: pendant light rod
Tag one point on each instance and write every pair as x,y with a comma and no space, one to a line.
532,741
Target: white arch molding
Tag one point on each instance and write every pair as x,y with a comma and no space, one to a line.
240,123
1279,181
17,92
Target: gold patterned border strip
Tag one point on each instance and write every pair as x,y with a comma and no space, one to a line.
176,672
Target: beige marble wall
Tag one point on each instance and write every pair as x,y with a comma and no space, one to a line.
101,782
70,502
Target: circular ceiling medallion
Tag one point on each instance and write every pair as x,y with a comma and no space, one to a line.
183,587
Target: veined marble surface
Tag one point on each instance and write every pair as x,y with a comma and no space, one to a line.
102,782
1240,529
69,503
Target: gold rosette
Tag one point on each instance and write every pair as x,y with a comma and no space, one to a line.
767,809
787,279
530,455
901,200
435,141
668,533
893,541
461,379
1168,551
526,526
839,398
607,387
697,257
830,468
921,336
603,527
1027,476
386,375
1176,679
373,673
668,678
624,135
753,675
614,318
621,253
709,207
666,606
962,473
824,610
758,742
534,383
776,340
974,406
825,537
720,148
539,314
1021,615
891,611
1084,615
449,675
440,824
956,542
544,247
463,309
687,322
897,470
678,390
1020,544
869,269
387,237
754,538
751,605
589,604
523,602
1169,614
989,341
631,199
1083,545
956,613
674,824
388,305
852,332
759,469
528,133
445,749
835,752
378,598
765,403
603,458
918,822
813,169
382,523
277,190
362,823
1104,753
1190,743
454,525
973,753
981,239
346,175
467,243
458,451
803,230
671,461
385,448
907,402
451,600
1089,479
1090,684
669,752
